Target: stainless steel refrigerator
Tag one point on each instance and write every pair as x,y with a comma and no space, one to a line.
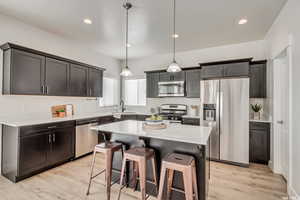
225,106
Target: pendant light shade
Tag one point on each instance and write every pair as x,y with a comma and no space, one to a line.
174,67
126,71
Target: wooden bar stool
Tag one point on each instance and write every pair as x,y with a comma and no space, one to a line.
184,164
139,157
108,149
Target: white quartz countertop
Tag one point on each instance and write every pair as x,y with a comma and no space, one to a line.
174,132
28,120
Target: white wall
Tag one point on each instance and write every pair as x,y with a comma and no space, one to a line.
17,32
26,35
286,25
255,49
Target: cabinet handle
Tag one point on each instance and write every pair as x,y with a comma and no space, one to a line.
51,127
46,89
53,138
42,89
49,138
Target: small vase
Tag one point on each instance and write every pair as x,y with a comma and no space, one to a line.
256,115
62,114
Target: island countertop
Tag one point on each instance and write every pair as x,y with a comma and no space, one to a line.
174,132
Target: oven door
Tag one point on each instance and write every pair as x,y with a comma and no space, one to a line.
171,89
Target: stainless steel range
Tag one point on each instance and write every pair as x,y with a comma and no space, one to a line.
173,112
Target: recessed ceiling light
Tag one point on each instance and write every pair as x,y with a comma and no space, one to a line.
243,21
128,45
87,21
175,35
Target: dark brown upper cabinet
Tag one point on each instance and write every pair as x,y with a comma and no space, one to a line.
78,80
56,77
193,83
31,72
167,76
226,69
23,73
95,83
152,84
258,79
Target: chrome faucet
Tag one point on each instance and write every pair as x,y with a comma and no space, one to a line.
122,105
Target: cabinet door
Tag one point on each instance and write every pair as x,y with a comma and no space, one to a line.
152,85
259,146
178,76
165,76
193,83
34,152
62,146
128,117
95,82
56,77
236,69
78,80
210,72
258,81
27,74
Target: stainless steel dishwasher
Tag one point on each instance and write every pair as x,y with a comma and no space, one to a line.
86,139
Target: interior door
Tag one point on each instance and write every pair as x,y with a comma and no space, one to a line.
281,112
234,120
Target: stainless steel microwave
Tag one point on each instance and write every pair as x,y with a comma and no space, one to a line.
171,89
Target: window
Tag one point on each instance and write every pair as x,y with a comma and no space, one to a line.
110,92
135,92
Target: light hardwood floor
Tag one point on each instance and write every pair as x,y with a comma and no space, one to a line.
69,182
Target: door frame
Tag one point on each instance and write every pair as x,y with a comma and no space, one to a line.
276,136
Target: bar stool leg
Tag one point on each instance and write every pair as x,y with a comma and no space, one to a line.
187,180
135,175
153,160
170,182
162,181
195,181
108,172
122,176
91,175
142,173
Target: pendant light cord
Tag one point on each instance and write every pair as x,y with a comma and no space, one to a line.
126,61
174,30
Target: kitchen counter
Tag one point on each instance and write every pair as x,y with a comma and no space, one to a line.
174,132
28,120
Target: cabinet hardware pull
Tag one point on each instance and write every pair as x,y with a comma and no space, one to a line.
46,89
49,138
42,88
51,127
53,138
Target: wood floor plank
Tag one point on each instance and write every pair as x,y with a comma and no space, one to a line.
70,181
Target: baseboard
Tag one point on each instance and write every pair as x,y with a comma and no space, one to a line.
270,164
293,194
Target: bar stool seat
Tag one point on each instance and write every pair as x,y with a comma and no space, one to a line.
184,164
139,157
108,149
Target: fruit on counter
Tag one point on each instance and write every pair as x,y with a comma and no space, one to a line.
155,117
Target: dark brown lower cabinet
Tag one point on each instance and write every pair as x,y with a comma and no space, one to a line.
259,145
191,121
32,149
34,152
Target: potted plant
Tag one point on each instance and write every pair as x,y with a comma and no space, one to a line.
256,109
61,113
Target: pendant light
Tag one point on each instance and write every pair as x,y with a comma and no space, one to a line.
174,67
126,71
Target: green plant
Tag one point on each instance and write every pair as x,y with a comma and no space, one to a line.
62,110
256,107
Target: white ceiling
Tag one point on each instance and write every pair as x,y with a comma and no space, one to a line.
201,23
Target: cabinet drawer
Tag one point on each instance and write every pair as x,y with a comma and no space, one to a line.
259,126
32,130
191,121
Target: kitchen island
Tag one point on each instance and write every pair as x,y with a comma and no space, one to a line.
176,138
